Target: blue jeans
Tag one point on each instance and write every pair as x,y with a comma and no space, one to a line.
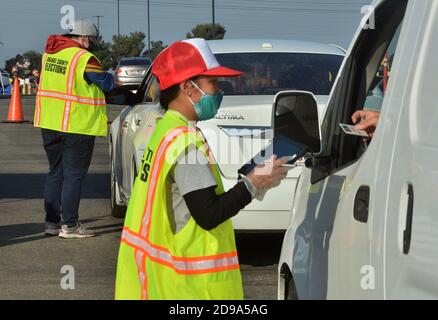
69,158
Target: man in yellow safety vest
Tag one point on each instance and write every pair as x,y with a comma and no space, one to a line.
178,239
71,111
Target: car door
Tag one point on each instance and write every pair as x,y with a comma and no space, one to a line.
133,127
129,125
333,242
411,242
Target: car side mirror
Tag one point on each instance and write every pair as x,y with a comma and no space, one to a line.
121,96
296,116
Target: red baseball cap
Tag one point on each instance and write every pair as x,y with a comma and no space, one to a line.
186,59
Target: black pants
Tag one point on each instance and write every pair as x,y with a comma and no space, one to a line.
69,158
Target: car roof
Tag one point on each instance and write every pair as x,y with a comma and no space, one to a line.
273,45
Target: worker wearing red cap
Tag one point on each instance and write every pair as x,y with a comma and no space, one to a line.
178,239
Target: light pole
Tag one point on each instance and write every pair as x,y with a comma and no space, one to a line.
98,22
212,8
118,17
149,29
1,76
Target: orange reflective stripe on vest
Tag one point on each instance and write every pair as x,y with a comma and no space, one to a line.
183,265
70,82
67,97
160,157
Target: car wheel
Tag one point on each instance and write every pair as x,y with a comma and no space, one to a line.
288,290
117,211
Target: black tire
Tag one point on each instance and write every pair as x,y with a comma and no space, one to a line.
117,211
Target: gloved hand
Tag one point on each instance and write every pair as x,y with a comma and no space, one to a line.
267,176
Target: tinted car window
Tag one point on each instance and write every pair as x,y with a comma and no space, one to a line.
152,93
135,62
269,73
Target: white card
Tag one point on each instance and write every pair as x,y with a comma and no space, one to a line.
349,129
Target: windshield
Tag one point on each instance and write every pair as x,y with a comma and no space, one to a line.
269,73
135,62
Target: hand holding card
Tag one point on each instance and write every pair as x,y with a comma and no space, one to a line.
352,130
366,120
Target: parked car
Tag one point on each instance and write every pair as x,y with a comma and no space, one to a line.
364,219
242,126
130,71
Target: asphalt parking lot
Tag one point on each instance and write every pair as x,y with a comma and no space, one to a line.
31,263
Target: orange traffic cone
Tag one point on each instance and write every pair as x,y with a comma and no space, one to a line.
15,114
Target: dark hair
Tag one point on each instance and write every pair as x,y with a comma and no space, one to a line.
168,95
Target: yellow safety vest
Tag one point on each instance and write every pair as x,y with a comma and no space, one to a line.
154,263
65,101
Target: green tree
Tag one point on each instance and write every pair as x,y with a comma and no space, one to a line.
102,51
207,31
11,62
127,46
156,48
35,59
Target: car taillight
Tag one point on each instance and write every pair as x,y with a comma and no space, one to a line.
118,71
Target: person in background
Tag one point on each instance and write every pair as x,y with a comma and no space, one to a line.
71,112
35,79
368,118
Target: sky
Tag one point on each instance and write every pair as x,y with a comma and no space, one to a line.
25,24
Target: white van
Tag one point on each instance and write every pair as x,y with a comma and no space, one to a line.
364,222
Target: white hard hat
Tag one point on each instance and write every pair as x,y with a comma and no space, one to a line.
83,28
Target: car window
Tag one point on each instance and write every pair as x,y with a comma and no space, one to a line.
360,79
269,73
152,94
377,91
135,62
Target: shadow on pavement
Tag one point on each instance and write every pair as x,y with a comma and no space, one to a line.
259,249
31,186
26,232
12,234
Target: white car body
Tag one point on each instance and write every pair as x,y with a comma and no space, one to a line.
388,248
229,136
